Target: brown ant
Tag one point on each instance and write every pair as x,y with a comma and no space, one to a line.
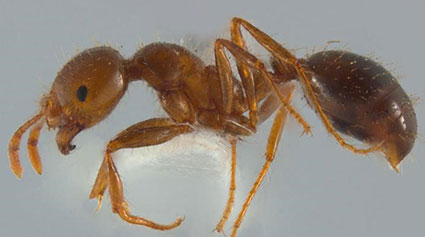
351,94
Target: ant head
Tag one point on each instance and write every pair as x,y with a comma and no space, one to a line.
84,92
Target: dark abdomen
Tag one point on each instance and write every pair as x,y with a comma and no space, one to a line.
363,100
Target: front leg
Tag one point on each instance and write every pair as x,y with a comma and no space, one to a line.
146,133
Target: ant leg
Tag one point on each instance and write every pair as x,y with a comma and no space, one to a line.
272,144
100,184
272,102
270,105
120,206
231,199
252,62
32,147
146,133
284,55
248,82
226,81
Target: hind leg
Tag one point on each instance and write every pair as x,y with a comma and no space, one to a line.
283,55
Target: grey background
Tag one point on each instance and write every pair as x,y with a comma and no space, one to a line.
315,188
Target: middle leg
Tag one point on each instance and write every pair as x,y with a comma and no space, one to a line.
270,104
272,144
232,188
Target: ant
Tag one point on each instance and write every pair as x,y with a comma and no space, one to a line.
351,94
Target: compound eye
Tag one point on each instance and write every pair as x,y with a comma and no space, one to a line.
82,93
